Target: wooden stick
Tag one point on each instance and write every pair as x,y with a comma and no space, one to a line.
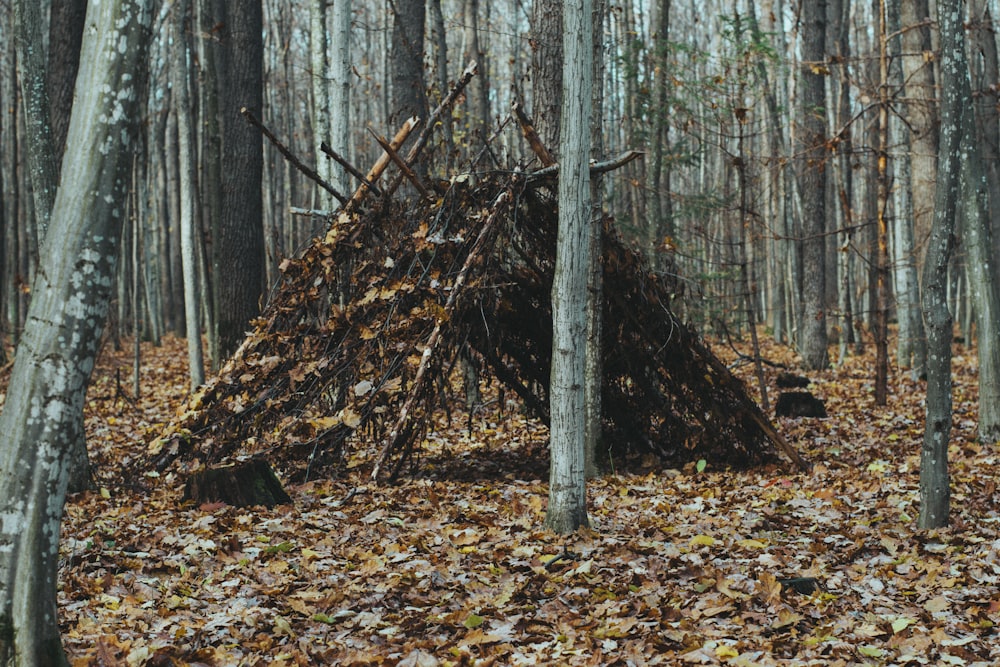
405,168
595,167
528,129
350,168
312,175
383,160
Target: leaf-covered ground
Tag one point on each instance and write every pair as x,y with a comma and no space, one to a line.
453,567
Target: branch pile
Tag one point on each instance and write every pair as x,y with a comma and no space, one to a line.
358,341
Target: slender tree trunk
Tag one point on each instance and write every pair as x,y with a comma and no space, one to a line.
42,167
340,98
910,352
596,453
187,162
567,510
934,481
42,418
409,95
880,327
812,185
981,275
321,79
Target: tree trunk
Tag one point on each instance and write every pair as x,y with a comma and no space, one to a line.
42,162
596,453
920,111
42,418
546,69
320,78
239,246
340,99
187,165
910,351
66,23
567,510
934,482
42,166
812,185
409,95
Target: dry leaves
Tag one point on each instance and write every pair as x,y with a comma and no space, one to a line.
453,567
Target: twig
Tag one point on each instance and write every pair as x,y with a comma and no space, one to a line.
350,168
311,212
310,174
405,168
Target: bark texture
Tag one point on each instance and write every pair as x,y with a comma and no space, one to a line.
567,509
239,256
546,69
812,186
42,416
934,483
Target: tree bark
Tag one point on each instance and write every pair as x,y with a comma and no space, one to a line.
42,167
567,510
920,111
187,164
546,69
42,417
934,481
409,95
812,185
239,245
42,162
66,21
340,99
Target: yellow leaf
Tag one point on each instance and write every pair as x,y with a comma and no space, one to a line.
725,652
323,423
702,540
752,544
473,621
901,624
105,493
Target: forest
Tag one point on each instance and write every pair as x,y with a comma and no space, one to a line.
448,332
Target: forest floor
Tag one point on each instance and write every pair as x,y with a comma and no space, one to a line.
453,566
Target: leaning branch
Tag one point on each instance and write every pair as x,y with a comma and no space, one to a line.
350,168
310,174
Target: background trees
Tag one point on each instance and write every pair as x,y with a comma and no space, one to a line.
758,121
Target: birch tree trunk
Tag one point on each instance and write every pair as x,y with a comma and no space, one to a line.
42,418
187,165
320,79
340,100
567,510
934,483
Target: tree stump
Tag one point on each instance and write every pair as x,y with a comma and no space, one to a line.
791,381
799,404
240,485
